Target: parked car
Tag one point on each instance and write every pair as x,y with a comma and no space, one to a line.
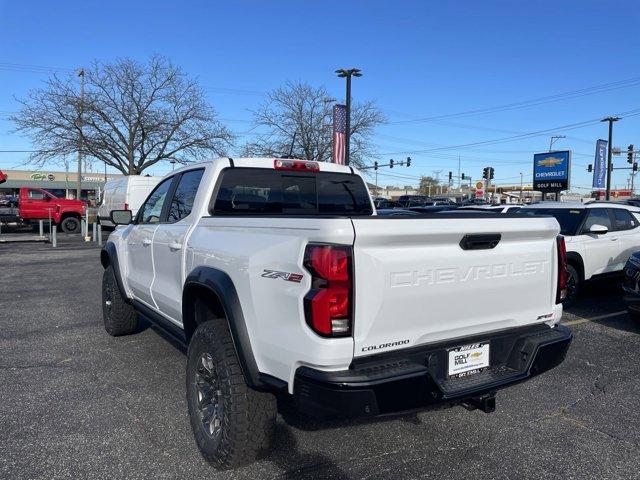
35,204
282,281
433,208
493,208
630,285
385,203
125,193
8,201
413,200
600,237
395,212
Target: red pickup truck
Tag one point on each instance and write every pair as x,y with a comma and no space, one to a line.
38,204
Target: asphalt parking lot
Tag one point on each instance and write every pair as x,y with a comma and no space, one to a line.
77,403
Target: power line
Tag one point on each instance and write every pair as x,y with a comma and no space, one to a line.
533,102
570,126
17,67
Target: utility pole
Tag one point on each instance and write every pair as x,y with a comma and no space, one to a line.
609,161
80,139
633,171
348,73
459,179
521,201
553,140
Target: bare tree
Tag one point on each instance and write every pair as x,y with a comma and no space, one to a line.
134,115
297,119
427,183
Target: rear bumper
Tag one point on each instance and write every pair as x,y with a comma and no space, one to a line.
416,378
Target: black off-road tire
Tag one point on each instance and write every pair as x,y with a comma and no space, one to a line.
119,317
70,225
243,419
573,286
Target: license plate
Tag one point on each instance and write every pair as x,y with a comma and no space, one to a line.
468,359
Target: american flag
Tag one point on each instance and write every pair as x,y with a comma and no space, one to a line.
339,131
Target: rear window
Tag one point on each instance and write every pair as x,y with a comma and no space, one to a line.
568,218
262,191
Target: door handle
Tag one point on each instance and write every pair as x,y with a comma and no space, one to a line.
613,239
146,242
175,246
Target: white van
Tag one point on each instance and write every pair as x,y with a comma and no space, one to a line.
125,193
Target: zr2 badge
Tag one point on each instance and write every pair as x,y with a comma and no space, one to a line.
289,277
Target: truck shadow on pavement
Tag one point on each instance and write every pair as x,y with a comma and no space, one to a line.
286,455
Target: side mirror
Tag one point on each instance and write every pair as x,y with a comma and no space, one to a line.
120,217
598,229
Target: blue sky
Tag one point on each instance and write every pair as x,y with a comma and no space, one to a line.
420,60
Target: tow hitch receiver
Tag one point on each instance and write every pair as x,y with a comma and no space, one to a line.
486,403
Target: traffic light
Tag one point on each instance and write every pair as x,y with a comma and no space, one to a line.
485,173
491,173
589,168
391,163
450,176
375,165
635,166
408,161
630,154
462,177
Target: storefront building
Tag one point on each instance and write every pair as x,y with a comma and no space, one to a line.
60,184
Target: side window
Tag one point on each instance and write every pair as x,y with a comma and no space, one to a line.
623,220
182,201
597,216
152,208
35,195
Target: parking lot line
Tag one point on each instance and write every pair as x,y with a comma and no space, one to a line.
596,318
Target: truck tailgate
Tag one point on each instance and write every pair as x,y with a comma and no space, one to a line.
416,282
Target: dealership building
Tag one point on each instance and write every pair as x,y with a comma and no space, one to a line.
60,184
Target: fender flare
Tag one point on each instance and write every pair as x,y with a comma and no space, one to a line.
220,284
109,256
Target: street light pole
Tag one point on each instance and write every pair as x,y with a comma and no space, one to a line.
348,73
609,160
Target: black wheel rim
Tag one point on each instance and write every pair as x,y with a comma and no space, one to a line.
208,396
107,299
70,225
572,286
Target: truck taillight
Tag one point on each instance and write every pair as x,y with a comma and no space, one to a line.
563,274
327,306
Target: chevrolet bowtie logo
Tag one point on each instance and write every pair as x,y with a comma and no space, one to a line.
549,162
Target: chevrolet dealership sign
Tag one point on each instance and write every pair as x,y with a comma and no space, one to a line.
551,171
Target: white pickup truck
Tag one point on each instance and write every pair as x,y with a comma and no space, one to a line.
282,281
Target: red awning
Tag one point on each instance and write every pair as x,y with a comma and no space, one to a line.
3,177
